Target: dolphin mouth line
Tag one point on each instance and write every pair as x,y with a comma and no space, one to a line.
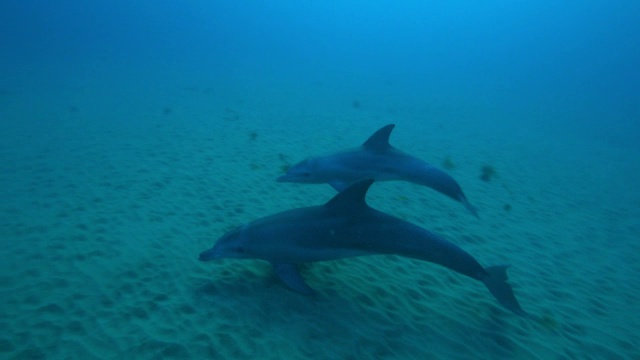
208,255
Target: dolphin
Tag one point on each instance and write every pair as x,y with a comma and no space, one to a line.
375,159
346,227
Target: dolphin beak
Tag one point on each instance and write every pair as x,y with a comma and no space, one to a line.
208,255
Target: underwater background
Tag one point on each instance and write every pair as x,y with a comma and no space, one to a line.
133,134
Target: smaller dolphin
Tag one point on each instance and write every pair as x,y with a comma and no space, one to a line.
345,227
375,159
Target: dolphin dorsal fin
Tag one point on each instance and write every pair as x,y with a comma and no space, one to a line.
380,139
351,199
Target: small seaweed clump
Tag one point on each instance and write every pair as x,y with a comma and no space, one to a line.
549,322
285,168
448,164
487,172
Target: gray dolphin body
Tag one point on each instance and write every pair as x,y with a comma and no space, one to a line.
375,159
345,227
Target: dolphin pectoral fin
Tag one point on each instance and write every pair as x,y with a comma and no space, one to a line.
291,277
338,185
497,284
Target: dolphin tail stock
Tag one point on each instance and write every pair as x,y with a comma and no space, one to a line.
472,209
497,284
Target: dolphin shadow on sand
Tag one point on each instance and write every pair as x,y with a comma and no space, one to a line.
345,227
375,159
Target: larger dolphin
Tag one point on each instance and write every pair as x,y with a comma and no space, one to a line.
375,159
344,227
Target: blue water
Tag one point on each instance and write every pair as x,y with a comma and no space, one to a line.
135,133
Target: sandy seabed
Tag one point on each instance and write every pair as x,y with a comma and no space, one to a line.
101,225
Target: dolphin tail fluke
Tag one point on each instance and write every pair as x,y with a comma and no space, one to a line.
497,284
